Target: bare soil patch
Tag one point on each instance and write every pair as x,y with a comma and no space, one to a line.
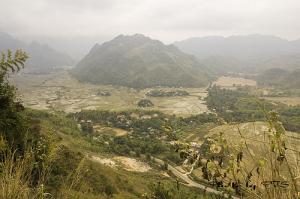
226,81
129,164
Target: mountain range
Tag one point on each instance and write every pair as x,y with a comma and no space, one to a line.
251,53
43,58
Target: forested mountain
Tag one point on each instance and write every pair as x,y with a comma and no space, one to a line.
279,78
138,61
43,58
253,52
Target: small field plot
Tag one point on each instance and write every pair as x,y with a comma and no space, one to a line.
232,82
182,105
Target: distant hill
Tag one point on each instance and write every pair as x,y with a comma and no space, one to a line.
251,52
43,58
279,78
286,62
138,61
221,65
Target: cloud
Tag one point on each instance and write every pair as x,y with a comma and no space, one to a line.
167,20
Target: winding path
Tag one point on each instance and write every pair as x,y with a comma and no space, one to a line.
192,183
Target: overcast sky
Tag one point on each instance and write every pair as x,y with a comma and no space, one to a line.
167,20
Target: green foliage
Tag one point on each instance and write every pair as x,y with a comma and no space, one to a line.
13,62
161,93
149,131
56,122
290,117
12,123
235,106
239,106
163,190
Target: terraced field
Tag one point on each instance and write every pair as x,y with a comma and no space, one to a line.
256,135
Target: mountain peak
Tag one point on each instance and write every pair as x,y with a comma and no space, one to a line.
136,38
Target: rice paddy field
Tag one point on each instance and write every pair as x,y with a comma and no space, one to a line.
59,91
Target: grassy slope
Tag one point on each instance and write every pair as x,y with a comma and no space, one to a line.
73,175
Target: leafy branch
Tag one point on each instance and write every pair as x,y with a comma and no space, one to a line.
13,61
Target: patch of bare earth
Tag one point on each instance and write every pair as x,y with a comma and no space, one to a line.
228,82
104,161
129,164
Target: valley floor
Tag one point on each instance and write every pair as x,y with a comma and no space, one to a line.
59,91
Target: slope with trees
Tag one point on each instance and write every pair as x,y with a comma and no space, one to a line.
280,78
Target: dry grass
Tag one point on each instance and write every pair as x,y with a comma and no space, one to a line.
270,148
16,178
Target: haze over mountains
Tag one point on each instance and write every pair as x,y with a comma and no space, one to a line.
138,61
43,58
213,54
251,52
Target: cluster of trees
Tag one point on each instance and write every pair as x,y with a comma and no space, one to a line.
145,103
240,106
143,121
161,93
137,145
290,117
279,78
149,131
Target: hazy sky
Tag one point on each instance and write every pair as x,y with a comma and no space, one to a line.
167,20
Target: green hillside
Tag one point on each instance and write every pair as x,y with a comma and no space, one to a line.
138,61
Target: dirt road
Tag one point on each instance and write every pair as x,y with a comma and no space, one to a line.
192,183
